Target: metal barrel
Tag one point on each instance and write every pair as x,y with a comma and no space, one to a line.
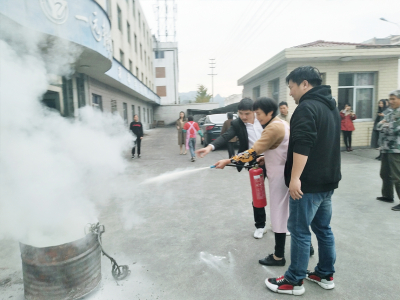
68,271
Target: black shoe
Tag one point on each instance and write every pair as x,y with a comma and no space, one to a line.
138,156
271,261
133,156
396,208
282,286
311,250
378,157
385,199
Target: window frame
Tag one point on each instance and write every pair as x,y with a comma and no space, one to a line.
355,88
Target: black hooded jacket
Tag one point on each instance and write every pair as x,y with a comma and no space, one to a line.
315,132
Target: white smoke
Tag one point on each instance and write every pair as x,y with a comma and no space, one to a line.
53,170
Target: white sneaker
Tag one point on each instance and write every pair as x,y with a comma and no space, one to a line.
258,234
287,233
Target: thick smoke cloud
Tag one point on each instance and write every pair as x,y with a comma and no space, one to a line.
53,170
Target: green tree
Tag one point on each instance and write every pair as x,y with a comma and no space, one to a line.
202,95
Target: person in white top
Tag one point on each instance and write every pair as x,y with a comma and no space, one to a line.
248,129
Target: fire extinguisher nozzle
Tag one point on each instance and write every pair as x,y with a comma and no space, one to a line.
212,167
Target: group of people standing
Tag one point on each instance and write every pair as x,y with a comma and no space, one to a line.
302,163
376,138
187,132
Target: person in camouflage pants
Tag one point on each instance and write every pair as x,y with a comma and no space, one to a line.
390,163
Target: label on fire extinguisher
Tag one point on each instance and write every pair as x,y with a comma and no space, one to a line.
259,183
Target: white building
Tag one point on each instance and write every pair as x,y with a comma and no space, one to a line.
166,71
232,99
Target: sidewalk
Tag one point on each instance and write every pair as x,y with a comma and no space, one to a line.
192,238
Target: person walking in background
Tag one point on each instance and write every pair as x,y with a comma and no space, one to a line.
137,129
248,129
225,127
284,111
347,116
181,134
312,173
191,128
375,137
390,149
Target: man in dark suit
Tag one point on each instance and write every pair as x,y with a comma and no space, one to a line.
248,130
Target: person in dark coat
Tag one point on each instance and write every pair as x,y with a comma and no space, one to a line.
137,129
225,127
375,140
347,117
248,130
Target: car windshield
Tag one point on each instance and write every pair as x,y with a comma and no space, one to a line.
219,118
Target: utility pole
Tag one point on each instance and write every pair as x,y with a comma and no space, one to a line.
212,67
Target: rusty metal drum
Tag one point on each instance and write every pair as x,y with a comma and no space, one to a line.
64,272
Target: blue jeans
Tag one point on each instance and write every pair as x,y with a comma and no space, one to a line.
192,146
313,209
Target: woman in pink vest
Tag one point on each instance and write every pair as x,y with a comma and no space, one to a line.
347,127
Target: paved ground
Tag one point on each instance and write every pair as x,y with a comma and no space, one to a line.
191,238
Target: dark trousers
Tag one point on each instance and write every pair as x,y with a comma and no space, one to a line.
347,138
231,149
280,241
259,213
390,174
138,142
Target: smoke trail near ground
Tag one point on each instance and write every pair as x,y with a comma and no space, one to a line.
52,170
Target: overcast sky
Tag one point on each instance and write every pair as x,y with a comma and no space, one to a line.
242,34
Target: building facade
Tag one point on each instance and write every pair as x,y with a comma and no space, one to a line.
115,69
166,71
358,74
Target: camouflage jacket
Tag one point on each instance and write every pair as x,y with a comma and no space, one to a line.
390,129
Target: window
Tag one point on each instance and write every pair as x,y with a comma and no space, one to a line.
256,92
145,61
125,106
97,102
141,56
144,30
121,56
133,111
113,106
142,77
159,54
139,18
140,115
160,72
144,114
128,31
137,73
275,89
119,18
162,91
148,116
108,8
130,66
133,8
358,90
135,40
148,60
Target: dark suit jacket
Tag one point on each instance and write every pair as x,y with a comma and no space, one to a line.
237,129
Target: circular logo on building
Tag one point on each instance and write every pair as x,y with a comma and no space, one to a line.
55,10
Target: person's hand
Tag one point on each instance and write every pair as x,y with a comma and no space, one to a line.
141,137
295,188
222,163
381,114
203,151
202,138
177,127
260,161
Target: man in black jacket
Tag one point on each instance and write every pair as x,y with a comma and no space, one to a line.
137,129
248,129
312,172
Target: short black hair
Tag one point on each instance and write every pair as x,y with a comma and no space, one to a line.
230,115
245,104
309,73
266,105
190,118
283,103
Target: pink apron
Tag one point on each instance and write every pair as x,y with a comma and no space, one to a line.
278,192
191,126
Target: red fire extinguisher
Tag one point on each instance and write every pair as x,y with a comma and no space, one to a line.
257,187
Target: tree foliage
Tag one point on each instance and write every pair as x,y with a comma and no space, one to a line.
202,95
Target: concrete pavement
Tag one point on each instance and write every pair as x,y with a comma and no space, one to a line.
192,238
